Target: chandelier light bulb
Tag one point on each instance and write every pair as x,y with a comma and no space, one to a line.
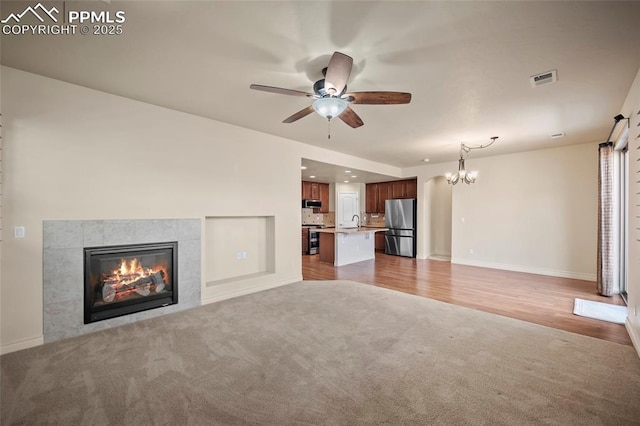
462,174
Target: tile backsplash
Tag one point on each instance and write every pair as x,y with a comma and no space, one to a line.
311,218
373,220
329,219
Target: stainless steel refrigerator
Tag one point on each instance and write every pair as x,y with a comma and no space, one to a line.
400,218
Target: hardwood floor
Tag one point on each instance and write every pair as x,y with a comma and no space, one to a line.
534,298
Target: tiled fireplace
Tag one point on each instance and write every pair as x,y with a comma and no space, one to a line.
99,274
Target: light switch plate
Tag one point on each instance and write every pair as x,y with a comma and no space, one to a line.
19,232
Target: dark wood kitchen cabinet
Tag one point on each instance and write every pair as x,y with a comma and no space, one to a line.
316,191
412,188
384,193
399,189
327,248
306,190
324,197
305,240
378,193
310,190
379,242
371,200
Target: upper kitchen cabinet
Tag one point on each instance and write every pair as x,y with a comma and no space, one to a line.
399,189
316,191
412,188
384,193
378,193
371,198
310,190
306,190
324,197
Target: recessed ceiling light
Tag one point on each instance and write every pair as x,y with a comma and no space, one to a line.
557,135
346,181
354,176
303,167
347,171
312,177
426,160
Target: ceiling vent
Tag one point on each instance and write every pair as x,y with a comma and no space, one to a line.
543,78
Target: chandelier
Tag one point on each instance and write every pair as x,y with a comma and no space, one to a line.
462,175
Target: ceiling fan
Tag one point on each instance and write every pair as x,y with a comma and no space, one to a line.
330,95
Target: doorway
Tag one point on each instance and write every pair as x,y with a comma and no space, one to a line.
348,207
438,212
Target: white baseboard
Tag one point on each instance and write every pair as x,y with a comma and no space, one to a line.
635,339
236,289
527,269
439,258
22,344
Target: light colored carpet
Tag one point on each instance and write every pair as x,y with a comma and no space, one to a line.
332,352
600,311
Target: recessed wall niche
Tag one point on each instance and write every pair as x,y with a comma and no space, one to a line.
238,248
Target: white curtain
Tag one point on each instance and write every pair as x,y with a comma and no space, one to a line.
605,221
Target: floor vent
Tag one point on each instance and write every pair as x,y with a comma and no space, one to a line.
543,78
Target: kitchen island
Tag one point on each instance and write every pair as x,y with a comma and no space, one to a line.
343,246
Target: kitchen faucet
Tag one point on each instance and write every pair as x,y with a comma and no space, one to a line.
358,219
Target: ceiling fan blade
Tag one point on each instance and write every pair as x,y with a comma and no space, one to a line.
298,115
280,90
350,117
380,98
338,72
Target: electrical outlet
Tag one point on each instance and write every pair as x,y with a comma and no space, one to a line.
470,251
238,255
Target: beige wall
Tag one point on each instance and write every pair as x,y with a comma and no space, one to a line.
75,153
631,108
438,194
533,211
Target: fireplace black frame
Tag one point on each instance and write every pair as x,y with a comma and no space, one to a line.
94,314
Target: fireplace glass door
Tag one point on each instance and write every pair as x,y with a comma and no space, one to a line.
121,280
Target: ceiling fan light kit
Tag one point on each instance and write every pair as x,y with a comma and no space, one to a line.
329,107
330,94
462,175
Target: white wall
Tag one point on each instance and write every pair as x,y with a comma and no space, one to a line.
75,153
631,108
533,211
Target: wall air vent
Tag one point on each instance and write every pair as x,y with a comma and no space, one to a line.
557,135
544,78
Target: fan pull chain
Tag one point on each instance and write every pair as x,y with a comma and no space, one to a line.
329,128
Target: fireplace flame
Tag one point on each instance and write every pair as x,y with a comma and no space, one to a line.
132,270
131,277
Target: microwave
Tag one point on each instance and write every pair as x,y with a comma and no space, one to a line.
311,204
